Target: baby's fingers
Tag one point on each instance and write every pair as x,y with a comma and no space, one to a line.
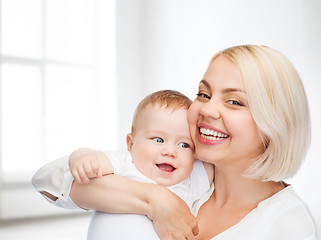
89,170
83,176
76,176
96,169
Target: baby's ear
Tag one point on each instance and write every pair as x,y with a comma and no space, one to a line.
129,140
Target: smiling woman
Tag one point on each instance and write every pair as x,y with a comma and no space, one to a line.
239,204
222,96
280,109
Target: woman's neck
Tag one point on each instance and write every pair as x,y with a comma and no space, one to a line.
233,188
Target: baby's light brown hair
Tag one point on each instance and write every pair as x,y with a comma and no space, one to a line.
166,99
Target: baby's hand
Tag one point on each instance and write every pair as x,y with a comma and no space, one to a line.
87,163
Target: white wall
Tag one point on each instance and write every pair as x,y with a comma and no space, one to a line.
129,63
168,44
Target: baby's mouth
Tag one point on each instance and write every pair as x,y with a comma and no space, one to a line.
166,167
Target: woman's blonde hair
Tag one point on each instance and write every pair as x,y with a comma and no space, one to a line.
279,107
165,99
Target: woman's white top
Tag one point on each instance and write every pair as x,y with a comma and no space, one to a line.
283,216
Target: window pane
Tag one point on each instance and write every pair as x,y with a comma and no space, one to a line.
21,127
70,30
21,25
70,109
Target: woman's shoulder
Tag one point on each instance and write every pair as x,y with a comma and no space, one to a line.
288,212
284,201
282,216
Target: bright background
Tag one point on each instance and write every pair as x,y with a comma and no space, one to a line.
73,71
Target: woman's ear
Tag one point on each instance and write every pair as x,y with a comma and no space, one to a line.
129,140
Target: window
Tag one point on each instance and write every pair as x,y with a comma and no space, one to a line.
57,81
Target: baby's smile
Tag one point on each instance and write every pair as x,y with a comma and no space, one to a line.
166,167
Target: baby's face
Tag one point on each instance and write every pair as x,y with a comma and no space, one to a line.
162,148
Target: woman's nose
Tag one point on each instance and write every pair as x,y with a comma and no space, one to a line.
211,109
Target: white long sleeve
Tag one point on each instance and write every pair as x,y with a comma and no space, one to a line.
55,178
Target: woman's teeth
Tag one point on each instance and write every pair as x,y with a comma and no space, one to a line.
209,134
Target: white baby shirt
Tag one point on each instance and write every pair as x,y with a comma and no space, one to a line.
55,178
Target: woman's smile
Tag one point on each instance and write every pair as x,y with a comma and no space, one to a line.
211,136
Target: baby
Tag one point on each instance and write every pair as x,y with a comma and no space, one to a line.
159,150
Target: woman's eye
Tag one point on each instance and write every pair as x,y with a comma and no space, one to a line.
235,103
157,139
184,145
203,95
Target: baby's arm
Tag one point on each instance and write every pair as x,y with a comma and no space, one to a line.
86,163
54,179
169,214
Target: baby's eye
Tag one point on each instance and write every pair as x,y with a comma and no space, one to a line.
184,145
203,95
157,139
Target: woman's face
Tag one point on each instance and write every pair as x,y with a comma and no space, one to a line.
220,120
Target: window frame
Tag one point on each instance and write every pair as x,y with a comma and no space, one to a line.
13,189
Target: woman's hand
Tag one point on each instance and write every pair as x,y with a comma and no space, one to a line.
170,215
